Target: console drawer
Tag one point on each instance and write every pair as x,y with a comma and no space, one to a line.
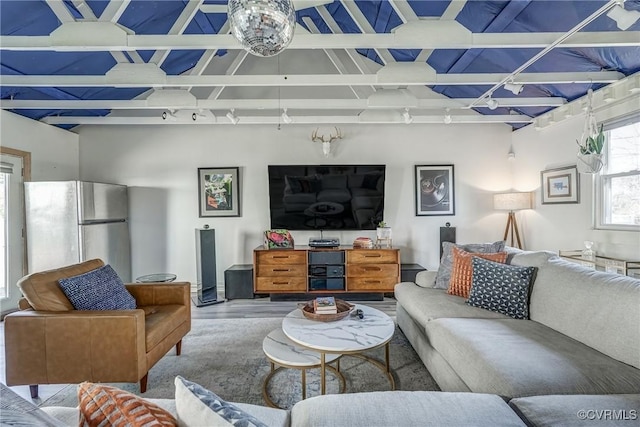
281,270
372,270
281,284
281,257
372,256
375,284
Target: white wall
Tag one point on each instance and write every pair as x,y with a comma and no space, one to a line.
54,151
563,226
160,165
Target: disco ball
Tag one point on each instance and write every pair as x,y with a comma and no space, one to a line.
264,27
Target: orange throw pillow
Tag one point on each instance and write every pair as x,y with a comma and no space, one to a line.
102,405
462,272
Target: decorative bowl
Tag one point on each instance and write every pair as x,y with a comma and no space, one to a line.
344,308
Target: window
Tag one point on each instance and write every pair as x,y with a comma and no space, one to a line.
618,189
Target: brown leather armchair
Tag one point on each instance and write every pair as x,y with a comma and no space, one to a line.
49,342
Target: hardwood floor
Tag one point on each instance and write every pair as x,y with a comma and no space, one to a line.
264,307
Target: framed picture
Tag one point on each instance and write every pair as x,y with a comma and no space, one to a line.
434,190
219,191
560,185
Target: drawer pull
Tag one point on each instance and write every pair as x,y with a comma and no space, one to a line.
372,281
281,269
371,268
281,256
373,256
280,283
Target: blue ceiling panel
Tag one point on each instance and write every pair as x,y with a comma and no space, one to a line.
342,18
36,18
433,8
151,17
97,6
72,9
179,61
312,13
146,54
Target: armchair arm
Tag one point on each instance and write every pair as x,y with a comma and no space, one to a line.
74,346
426,278
161,293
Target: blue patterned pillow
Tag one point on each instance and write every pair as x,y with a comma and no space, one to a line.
501,288
195,405
99,289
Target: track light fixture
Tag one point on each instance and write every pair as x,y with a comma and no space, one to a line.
513,87
492,103
447,117
408,118
285,117
169,115
231,115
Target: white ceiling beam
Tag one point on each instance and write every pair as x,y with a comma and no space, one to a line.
114,10
297,5
361,21
266,104
403,40
258,120
241,55
311,79
358,91
85,10
450,13
60,10
181,24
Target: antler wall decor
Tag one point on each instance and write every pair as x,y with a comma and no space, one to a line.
326,144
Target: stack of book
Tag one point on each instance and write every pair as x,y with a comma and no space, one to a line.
325,305
362,243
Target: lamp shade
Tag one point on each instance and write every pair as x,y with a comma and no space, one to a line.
512,201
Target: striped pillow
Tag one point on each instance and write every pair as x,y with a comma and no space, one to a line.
102,405
462,273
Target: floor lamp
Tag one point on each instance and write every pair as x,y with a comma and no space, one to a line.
512,202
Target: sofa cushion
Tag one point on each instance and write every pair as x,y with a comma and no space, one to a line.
515,358
426,304
578,410
161,320
501,288
404,408
105,405
99,289
446,262
462,271
43,291
197,406
601,310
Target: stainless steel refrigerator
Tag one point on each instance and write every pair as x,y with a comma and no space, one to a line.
74,221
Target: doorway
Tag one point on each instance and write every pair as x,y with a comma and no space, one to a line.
14,170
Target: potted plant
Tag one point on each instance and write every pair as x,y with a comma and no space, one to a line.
590,152
383,233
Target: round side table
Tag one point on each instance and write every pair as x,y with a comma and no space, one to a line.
281,351
155,278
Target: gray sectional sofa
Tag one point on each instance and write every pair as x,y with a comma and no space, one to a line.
583,336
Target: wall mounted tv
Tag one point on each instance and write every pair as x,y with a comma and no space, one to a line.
326,197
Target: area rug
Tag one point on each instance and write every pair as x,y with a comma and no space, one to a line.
226,356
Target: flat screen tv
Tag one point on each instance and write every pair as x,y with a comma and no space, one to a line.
326,197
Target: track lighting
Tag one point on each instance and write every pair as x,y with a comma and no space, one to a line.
408,118
513,87
447,117
492,103
169,115
231,115
285,117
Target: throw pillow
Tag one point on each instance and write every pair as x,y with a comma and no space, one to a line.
102,405
197,406
99,289
501,288
461,275
446,263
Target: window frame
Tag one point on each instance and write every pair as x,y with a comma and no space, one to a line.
600,187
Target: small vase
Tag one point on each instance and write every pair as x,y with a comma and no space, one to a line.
588,253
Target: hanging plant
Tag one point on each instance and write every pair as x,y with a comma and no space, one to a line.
591,145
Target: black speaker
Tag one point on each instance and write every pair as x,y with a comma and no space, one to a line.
447,234
206,267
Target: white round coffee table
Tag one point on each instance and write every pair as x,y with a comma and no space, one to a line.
281,351
349,336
